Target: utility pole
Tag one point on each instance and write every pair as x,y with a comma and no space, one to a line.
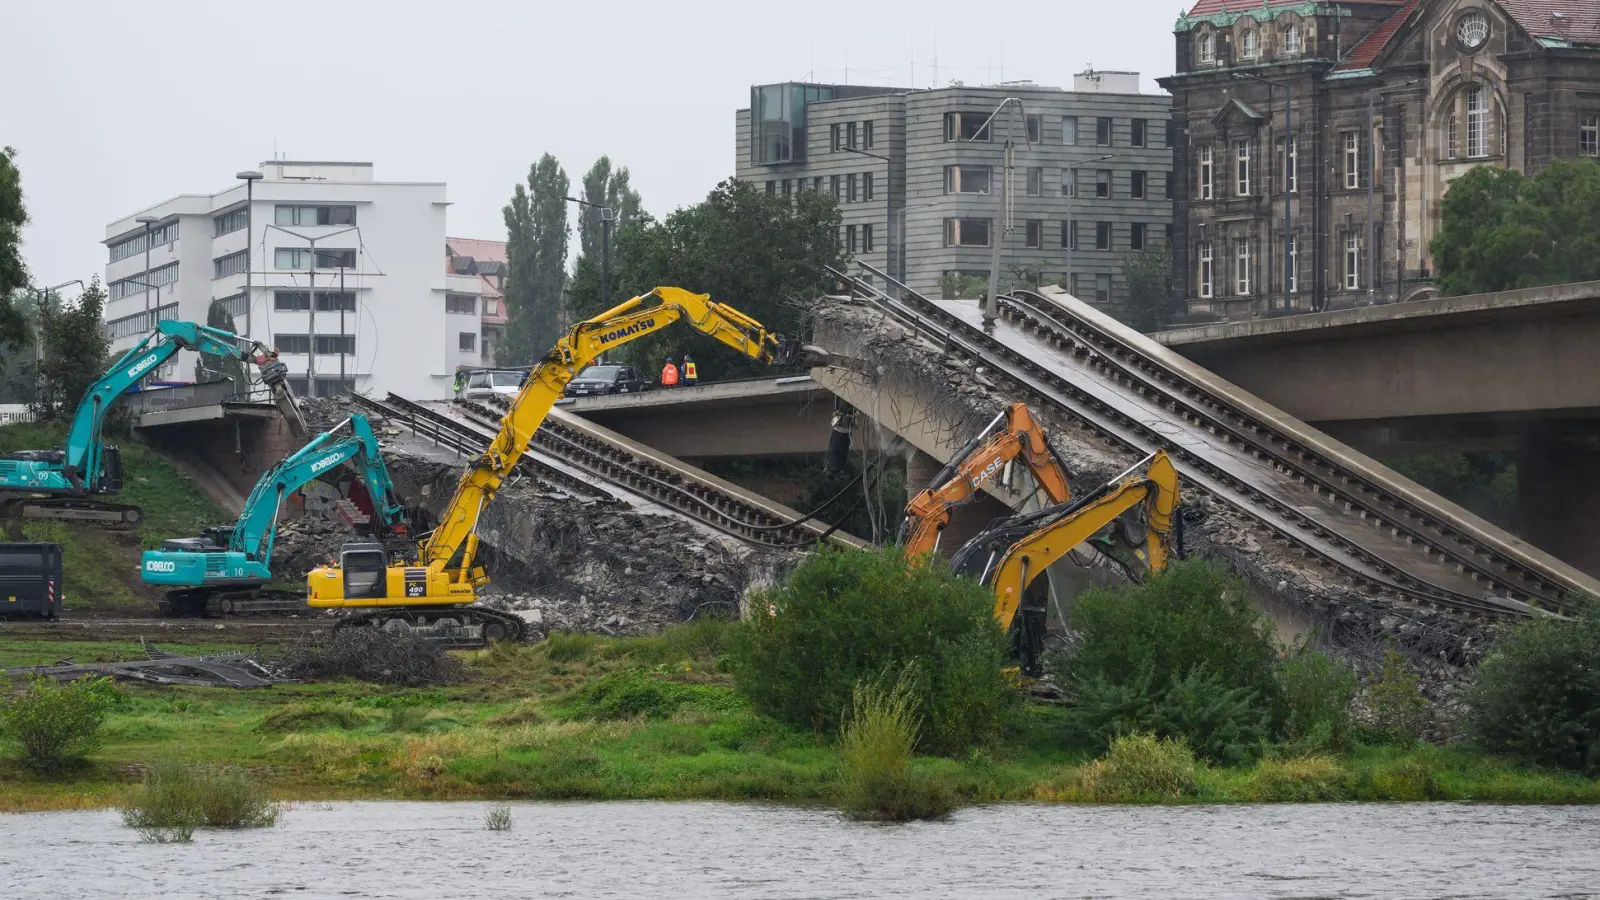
249,177
311,272
892,254
607,217
1002,225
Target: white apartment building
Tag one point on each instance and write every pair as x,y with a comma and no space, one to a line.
382,319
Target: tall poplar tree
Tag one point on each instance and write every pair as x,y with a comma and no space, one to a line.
536,252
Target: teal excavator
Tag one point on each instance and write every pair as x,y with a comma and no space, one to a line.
62,485
227,569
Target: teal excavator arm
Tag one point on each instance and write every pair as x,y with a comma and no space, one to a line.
83,458
257,526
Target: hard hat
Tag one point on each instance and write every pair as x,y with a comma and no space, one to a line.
669,359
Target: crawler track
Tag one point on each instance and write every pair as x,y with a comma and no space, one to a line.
591,467
1312,500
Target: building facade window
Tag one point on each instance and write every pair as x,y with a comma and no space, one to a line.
1102,289
1204,276
1290,167
1241,267
135,245
1169,185
1140,133
850,135
1035,181
866,185
1241,152
866,239
866,135
1102,132
1589,134
966,126
1452,136
296,258
461,304
1472,30
850,242
1352,260
966,232
1136,236
967,179
1069,234
1206,169
229,222
1352,159
1249,44
314,215
833,187
140,323
1102,183
1208,50
1102,235
772,187
236,305
158,277
232,264
850,188
1069,182
327,301
1291,38
467,341
1033,238
1294,264
1477,104
1069,130
1035,126
1139,185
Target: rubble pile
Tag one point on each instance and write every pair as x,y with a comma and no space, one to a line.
565,564
961,400
305,543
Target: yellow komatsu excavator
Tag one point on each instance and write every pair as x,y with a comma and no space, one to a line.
1013,436
439,586
1013,552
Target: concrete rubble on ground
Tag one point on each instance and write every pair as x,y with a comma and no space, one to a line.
237,669
560,562
963,400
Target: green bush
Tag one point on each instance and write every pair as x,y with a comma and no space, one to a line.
876,744
631,693
1536,697
54,724
1317,693
498,818
1301,779
1140,767
563,646
174,800
1180,655
1399,712
846,616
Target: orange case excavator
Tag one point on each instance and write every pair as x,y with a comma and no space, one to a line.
1012,436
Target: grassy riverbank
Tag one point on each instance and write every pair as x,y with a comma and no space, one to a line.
650,718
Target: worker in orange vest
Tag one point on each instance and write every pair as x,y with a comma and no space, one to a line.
669,374
691,377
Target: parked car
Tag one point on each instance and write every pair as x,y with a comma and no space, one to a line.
597,380
486,385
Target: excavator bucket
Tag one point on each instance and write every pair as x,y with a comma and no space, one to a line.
275,375
793,353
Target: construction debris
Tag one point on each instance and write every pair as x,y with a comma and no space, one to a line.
236,669
372,654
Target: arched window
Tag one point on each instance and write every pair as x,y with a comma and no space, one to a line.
1291,38
1249,44
1476,100
1208,48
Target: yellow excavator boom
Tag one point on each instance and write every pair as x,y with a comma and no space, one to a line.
446,573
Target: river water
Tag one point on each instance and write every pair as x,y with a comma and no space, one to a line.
691,850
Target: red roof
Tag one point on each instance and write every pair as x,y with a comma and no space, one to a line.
487,251
1367,50
1212,7
1577,21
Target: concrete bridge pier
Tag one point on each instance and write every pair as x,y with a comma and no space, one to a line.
965,521
1558,490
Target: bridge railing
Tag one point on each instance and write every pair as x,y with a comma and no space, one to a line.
191,396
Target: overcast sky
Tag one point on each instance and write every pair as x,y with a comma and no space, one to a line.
115,106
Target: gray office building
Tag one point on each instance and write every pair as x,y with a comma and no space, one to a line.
918,176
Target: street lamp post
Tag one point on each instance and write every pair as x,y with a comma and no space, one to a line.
1288,147
1072,224
892,254
147,221
249,177
311,274
991,307
608,216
